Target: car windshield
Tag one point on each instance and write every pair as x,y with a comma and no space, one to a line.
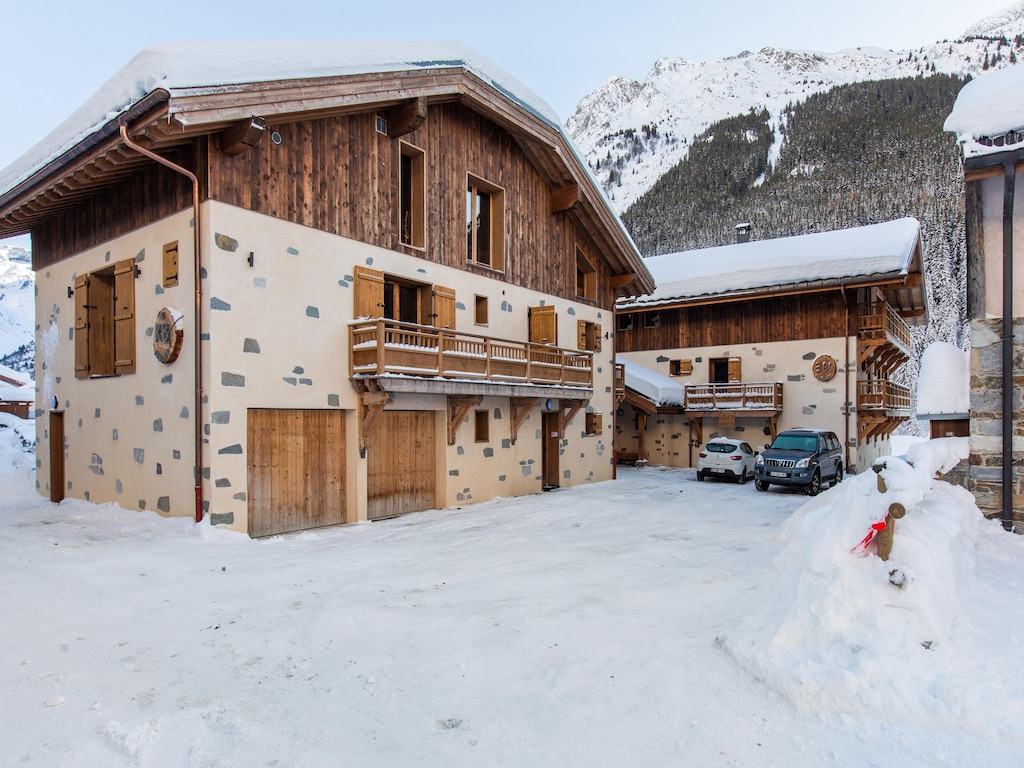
721,447
796,443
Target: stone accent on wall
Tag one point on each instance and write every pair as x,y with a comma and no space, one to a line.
985,470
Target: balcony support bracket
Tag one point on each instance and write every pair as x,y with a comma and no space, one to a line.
458,407
521,407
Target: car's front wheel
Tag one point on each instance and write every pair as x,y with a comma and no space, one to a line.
839,474
814,487
761,485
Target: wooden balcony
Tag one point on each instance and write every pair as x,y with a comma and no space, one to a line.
881,407
883,338
743,398
385,347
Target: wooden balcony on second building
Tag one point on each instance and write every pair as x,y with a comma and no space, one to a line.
741,398
883,338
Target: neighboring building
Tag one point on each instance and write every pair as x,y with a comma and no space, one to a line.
768,335
944,390
17,395
988,118
398,270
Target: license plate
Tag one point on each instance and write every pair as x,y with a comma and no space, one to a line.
716,469
777,474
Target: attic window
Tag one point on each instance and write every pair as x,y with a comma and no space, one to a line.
382,125
586,276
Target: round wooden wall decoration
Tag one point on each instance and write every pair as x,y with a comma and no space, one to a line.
825,368
168,334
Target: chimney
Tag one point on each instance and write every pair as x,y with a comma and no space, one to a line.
743,232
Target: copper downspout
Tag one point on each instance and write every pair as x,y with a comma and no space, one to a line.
846,367
1009,182
198,406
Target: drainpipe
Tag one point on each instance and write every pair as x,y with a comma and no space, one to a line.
198,405
1009,180
846,369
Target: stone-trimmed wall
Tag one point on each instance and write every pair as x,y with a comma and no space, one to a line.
985,476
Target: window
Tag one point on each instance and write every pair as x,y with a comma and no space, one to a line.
680,367
589,335
624,322
652,319
485,225
480,316
171,264
594,423
724,369
412,193
586,276
407,301
105,321
481,427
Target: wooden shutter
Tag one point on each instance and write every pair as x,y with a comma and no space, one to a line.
598,423
543,325
369,296
597,337
735,373
444,307
124,316
581,331
81,327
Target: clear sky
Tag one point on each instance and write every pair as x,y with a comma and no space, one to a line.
57,53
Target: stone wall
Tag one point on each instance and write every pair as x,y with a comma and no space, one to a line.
986,471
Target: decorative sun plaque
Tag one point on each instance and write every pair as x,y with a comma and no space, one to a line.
168,334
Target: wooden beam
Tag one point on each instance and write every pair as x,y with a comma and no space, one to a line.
407,117
458,407
564,198
569,410
521,407
370,406
242,136
621,281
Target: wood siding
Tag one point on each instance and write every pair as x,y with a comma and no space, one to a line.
341,176
296,470
135,201
755,321
400,470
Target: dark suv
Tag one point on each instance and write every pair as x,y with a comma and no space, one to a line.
800,457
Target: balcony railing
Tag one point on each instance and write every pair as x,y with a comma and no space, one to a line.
882,395
878,320
735,396
387,347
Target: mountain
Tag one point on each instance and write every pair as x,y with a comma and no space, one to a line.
632,133
17,303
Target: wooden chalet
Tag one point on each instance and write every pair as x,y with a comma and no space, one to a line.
295,285
768,335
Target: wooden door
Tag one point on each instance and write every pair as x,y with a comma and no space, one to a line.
56,455
401,464
444,307
296,470
369,292
550,443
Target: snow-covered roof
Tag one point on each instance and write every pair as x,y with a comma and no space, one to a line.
988,108
176,66
659,389
844,255
944,381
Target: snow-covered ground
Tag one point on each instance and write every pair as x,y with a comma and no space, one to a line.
647,621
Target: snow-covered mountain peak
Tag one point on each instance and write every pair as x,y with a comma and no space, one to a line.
1007,23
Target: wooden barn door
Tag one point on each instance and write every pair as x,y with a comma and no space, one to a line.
550,445
400,469
296,470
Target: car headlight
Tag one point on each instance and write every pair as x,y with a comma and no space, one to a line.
802,464
759,460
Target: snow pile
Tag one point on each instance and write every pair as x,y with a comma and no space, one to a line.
944,380
17,449
988,106
655,387
843,637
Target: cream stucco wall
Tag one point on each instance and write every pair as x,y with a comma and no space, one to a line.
992,197
806,401
129,438
276,336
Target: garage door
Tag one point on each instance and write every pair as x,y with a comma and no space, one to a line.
400,464
296,470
